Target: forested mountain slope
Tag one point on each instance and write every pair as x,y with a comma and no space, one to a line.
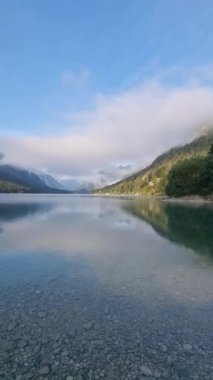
154,178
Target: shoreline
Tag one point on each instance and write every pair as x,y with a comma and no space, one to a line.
188,198
192,198
165,198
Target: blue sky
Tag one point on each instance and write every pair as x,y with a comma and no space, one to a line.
60,59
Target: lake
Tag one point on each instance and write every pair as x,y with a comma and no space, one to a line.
105,288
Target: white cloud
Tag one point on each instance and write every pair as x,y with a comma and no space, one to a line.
134,126
71,77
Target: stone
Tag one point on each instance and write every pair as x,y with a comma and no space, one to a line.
146,371
41,314
187,347
170,360
57,350
54,366
11,326
164,348
38,292
65,353
195,377
44,370
183,373
29,376
7,346
22,343
88,326
69,378
156,374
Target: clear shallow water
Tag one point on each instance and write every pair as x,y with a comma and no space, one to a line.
105,288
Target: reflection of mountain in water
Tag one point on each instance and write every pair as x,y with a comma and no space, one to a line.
190,225
14,211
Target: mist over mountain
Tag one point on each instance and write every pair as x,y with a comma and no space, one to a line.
14,179
50,181
77,185
153,179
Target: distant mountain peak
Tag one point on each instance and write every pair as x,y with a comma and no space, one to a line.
15,179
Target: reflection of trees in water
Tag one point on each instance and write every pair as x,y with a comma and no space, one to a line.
14,211
190,225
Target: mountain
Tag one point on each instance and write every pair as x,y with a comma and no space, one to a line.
78,186
20,210
154,178
50,181
14,179
99,179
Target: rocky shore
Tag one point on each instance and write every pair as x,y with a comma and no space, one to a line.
64,328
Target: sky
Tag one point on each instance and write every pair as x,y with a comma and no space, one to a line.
102,87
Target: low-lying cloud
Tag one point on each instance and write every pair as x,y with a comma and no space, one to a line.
132,127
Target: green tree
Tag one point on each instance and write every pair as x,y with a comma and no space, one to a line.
191,177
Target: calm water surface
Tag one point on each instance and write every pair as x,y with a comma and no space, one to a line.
100,288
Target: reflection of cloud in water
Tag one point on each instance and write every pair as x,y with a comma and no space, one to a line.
124,223
125,254
134,285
